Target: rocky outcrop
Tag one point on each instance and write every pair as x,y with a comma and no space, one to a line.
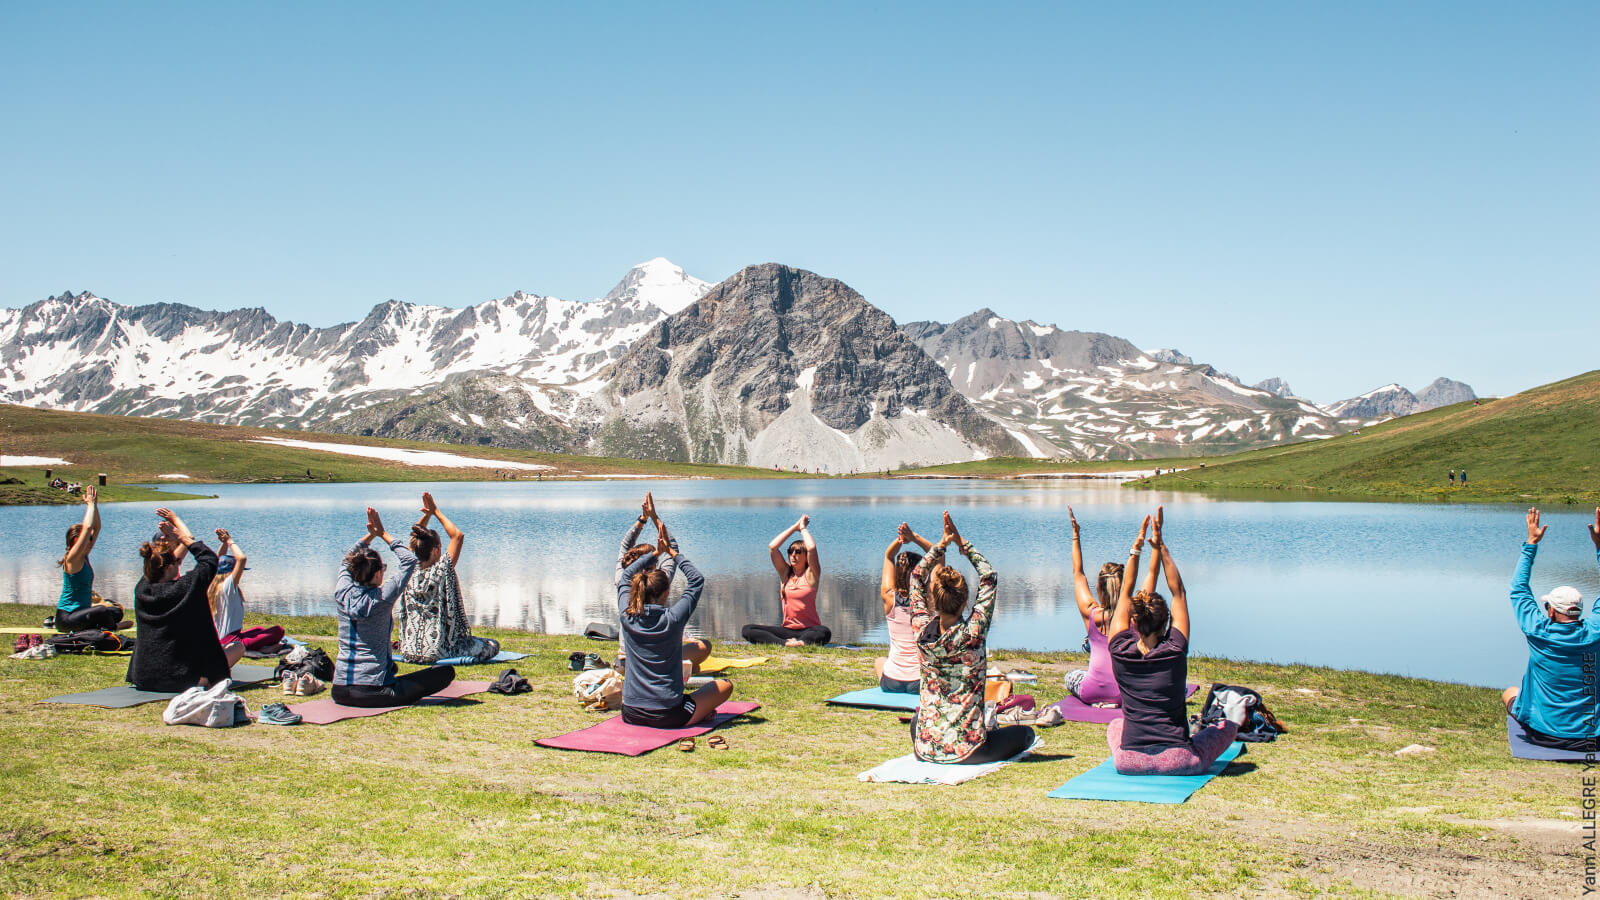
1444,392
1275,386
1392,400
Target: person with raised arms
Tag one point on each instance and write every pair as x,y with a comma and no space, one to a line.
901,671
1097,684
948,726
1149,648
178,646
364,673
652,639
76,609
432,616
1555,703
695,650
798,576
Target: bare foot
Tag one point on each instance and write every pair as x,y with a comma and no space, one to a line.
794,642
124,625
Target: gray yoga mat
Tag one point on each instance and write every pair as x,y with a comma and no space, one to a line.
126,695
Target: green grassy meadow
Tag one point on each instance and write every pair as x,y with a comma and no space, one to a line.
457,801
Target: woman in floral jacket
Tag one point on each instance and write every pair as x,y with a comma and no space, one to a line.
948,726
431,614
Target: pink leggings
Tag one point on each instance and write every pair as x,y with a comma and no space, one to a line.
1204,747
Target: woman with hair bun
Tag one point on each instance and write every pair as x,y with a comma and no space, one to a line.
1150,657
901,671
178,646
432,617
948,726
1097,684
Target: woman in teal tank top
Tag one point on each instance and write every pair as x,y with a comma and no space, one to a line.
76,610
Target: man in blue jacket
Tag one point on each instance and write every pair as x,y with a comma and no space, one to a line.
1557,702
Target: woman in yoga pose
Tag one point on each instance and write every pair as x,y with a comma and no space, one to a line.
948,726
178,646
364,673
227,600
76,610
797,592
901,671
696,651
431,614
1151,662
652,639
1096,685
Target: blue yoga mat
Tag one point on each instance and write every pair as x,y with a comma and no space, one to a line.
502,656
1104,783
877,698
1522,748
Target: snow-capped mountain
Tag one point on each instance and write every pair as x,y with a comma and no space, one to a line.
1392,400
1090,395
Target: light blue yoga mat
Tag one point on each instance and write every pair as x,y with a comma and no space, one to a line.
877,698
502,656
1104,783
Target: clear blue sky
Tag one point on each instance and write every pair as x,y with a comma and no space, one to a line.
1342,196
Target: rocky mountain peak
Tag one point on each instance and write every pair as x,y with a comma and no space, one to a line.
669,287
1275,386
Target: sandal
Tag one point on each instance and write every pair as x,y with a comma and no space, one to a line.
686,745
717,742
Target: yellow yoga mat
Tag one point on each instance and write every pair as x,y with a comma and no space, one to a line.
718,664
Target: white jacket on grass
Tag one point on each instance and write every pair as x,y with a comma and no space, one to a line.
213,707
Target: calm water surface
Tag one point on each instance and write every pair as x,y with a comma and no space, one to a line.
1411,589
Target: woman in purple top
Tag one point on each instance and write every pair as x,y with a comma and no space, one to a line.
1098,684
1151,662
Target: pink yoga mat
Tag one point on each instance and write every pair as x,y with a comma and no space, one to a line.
326,712
616,736
1075,710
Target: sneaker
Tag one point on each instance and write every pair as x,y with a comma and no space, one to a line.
277,714
309,685
36,640
1049,717
592,661
22,644
296,656
291,685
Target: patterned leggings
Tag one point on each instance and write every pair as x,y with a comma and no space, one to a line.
1204,747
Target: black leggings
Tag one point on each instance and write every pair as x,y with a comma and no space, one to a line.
103,617
777,634
998,745
406,690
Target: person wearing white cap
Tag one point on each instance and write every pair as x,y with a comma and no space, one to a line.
1557,702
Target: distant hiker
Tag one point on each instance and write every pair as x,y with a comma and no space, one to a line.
798,576
901,671
1097,684
1149,647
695,652
948,726
364,674
652,639
76,609
178,647
1555,702
1463,477
431,615
1452,477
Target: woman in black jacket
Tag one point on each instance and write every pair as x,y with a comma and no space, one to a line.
177,647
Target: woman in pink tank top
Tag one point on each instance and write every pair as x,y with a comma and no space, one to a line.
798,574
901,671
1099,684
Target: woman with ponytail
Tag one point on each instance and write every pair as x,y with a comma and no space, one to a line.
652,637
948,726
432,616
695,652
1097,685
901,671
1149,648
178,646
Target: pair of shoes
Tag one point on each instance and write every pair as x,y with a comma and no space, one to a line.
22,643
277,714
301,685
717,742
37,651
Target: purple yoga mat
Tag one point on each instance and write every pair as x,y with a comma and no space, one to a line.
326,712
1522,748
1075,710
616,736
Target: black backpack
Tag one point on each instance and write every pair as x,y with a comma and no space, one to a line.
1260,725
316,662
90,640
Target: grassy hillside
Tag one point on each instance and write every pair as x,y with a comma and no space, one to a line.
1539,445
133,450
457,801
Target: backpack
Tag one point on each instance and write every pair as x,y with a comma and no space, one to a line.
315,661
90,640
213,707
1260,725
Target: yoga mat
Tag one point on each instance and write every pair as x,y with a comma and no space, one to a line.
327,712
1522,748
910,770
1104,783
126,695
877,698
502,656
42,630
717,663
616,736
1075,710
